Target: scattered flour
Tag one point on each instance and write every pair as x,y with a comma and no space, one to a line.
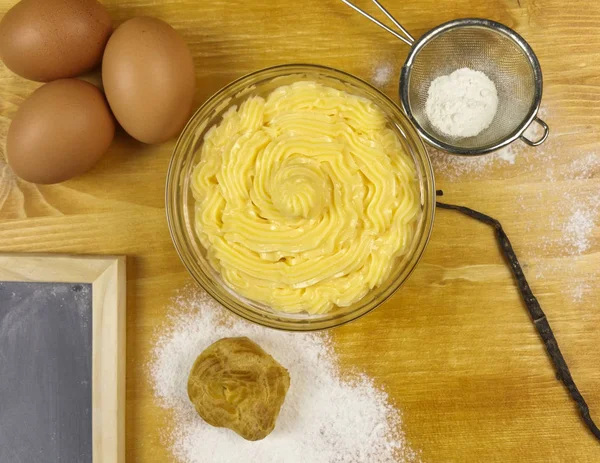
453,167
565,235
462,104
578,228
326,417
572,215
579,290
382,75
584,167
507,154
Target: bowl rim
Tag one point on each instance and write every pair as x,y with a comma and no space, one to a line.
173,212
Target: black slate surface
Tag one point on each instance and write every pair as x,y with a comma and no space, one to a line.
45,372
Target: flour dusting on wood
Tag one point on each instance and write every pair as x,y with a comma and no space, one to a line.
327,416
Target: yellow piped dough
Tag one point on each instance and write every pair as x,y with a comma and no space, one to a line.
304,199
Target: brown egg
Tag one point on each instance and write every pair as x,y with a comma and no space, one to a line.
59,132
45,40
149,80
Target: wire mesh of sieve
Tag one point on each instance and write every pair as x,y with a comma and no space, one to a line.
478,44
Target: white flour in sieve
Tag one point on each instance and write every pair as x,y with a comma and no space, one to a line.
326,418
462,104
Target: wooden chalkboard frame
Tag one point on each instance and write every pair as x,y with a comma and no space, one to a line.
107,276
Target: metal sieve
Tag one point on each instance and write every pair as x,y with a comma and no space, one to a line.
483,45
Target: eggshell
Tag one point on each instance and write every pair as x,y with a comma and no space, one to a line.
149,80
59,132
45,40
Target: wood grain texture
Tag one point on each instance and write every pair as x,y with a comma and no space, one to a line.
109,362
454,348
107,276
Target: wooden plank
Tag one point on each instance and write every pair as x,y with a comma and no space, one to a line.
109,362
54,268
455,349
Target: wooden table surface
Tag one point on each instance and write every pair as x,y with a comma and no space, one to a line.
454,348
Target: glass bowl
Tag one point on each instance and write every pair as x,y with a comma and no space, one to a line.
180,201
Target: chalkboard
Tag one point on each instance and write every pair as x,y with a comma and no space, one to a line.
62,359
45,372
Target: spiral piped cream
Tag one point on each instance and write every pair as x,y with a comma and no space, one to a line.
305,198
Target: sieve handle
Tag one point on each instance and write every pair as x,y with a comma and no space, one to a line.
406,38
542,139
